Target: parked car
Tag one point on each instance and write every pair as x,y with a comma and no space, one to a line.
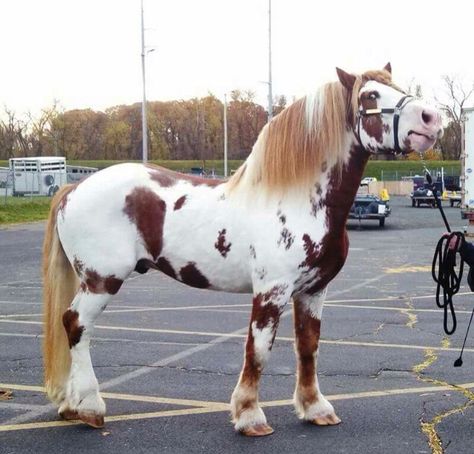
367,180
369,207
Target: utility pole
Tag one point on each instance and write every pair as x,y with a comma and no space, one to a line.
225,135
270,94
144,119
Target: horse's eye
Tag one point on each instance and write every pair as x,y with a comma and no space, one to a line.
374,95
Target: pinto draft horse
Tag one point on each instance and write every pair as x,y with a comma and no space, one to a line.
275,229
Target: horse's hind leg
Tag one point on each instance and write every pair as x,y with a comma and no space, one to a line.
83,400
247,416
309,402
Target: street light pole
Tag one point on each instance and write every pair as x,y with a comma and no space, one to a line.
270,95
225,135
144,118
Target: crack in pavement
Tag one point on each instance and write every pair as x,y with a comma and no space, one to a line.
409,312
429,427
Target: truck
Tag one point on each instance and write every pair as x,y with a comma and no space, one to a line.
467,165
368,206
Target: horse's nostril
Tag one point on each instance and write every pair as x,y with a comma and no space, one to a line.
427,117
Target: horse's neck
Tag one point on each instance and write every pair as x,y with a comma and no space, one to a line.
342,190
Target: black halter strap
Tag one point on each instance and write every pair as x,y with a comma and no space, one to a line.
395,111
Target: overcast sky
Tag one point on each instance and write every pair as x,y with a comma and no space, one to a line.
86,53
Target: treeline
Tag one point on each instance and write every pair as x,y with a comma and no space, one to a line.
186,129
178,130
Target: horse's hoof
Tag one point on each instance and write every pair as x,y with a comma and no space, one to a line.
327,420
69,415
92,420
260,430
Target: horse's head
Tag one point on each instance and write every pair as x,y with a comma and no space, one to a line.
386,117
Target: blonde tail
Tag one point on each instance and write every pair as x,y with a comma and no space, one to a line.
60,285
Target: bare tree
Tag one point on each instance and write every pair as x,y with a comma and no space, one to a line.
43,139
13,135
455,98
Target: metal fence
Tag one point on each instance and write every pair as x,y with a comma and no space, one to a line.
399,175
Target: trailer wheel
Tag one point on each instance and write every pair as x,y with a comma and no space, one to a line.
52,190
48,180
382,222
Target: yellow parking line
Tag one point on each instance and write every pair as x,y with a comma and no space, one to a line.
164,400
382,345
408,269
129,397
19,315
381,393
225,407
243,336
109,419
390,308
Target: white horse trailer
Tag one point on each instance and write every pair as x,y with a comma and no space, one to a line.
38,176
78,173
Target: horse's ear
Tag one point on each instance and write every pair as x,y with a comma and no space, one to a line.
388,68
346,79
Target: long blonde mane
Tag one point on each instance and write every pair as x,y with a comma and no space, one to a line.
304,139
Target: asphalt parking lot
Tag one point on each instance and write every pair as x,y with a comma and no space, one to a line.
168,356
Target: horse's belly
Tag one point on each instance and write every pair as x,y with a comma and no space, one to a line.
207,251
204,270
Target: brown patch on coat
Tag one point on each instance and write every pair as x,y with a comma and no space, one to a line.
78,266
73,329
281,217
97,284
166,178
165,266
179,203
191,276
314,205
286,238
260,272
264,313
162,176
315,199
407,144
312,251
252,368
373,126
221,244
307,333
272,296
334,245
147,211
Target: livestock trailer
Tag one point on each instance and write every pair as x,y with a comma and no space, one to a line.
37,176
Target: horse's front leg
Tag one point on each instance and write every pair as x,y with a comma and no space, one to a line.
309,402
247,416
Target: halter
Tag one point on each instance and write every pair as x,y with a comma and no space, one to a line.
386,110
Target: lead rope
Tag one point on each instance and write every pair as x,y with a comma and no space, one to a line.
446,276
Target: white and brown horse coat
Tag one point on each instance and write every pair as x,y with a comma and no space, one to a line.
276,229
